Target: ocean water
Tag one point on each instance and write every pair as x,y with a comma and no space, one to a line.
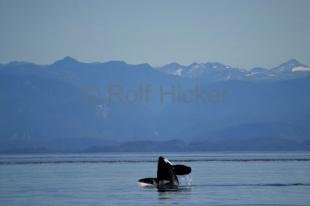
111,179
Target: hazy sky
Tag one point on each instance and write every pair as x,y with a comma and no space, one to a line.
241,33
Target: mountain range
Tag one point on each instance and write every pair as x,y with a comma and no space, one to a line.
71,106
220,72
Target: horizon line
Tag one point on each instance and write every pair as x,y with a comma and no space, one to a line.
73,59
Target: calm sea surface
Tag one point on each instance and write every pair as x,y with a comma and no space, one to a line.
111,179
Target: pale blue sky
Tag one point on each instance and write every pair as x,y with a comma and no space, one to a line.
240,33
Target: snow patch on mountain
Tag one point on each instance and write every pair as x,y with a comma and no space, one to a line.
178,72
301,69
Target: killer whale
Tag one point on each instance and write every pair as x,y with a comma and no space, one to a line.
166,175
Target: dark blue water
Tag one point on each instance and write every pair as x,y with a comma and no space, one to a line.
111,179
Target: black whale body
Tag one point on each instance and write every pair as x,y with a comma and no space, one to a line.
166,175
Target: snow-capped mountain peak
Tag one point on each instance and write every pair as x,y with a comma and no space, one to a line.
287,66
220,72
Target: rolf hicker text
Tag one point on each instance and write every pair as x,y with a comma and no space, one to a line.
164,94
